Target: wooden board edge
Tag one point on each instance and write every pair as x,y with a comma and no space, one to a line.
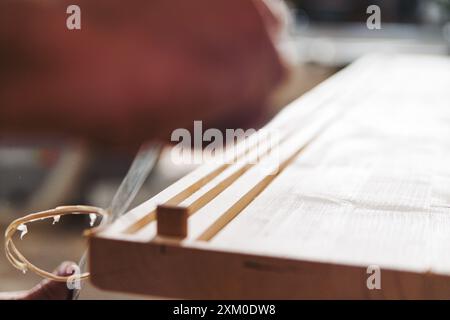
170,270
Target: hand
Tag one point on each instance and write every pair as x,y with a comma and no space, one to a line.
137,69
46,290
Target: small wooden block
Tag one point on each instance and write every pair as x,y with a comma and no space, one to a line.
171,221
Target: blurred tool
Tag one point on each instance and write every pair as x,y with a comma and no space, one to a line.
141,167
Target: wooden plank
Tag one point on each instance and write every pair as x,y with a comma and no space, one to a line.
370,189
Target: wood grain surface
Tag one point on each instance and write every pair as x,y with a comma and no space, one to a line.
364,180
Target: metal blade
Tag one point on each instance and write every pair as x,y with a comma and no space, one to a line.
137,174
141,167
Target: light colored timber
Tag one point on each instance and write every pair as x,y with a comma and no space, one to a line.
369,187
215,215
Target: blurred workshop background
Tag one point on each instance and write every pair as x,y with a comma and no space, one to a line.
323,37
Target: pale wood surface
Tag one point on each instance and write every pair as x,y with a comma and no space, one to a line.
374,188
369,187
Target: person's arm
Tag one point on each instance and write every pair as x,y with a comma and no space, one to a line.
136,69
